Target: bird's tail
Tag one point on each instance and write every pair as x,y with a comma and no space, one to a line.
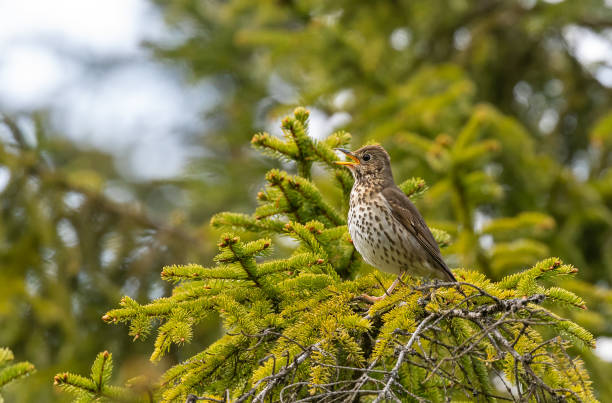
447,273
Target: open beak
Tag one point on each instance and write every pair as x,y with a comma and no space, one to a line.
354,159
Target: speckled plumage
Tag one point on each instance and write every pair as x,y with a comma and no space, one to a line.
386,228
381,240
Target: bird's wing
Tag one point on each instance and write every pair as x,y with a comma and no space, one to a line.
408,215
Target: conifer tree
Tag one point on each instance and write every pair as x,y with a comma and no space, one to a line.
70,248
97,386
10,372
296,328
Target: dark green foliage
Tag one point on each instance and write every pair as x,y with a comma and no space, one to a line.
69,249
297,329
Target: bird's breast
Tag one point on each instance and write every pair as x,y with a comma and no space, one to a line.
381,240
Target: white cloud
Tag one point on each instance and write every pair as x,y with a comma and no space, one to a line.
593,50
142,109
109,26
322,125
30,75
588,46
135,109
400,38
604,348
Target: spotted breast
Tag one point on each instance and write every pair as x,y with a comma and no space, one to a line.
380,238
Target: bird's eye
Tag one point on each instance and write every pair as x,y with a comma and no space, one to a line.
366,157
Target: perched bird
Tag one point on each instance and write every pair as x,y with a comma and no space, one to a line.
387,229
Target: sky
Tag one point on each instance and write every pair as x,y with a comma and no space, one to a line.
56,55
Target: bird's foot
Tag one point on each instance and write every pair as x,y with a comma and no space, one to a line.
370,299
388,291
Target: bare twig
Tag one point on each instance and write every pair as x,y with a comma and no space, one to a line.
498,325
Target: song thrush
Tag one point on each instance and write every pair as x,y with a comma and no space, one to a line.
387,229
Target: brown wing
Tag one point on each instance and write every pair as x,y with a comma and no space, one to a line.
408,215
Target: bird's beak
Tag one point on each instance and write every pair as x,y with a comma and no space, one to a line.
355,160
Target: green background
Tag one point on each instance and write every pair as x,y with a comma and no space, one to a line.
485,100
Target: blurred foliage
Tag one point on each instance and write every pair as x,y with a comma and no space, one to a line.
432,81
74,238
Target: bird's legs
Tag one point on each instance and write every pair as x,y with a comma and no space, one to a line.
388,291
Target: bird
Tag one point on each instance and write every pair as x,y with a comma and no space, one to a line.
385,226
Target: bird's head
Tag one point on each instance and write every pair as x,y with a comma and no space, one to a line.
368,163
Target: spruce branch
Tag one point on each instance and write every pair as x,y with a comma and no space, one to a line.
297,329
98,388
413,187
9,371
486,317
